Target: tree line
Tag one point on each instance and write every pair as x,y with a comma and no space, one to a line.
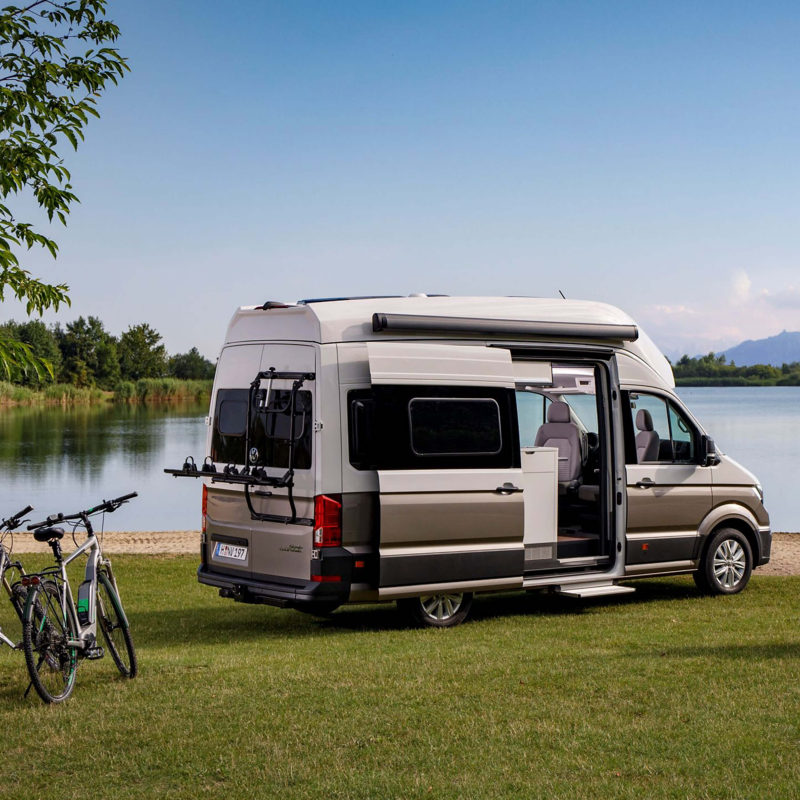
83,353
714,370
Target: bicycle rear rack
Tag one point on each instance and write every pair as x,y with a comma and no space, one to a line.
256,475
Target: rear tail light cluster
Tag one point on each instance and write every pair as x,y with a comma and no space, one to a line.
205,506
328,520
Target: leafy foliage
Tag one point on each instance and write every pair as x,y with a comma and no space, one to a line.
140,354
191,366
49,87
714,370
89,354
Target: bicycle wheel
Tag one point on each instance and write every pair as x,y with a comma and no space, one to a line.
52,664
116,631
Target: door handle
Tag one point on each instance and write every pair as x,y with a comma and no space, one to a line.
645,483
507,488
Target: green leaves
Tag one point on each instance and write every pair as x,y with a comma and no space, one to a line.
49,86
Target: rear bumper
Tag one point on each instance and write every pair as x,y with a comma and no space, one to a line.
273,593
765,548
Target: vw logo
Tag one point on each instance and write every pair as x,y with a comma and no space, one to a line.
253,455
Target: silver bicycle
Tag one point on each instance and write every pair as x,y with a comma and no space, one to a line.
63,631
17,593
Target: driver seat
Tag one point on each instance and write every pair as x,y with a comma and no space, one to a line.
48,534
562,433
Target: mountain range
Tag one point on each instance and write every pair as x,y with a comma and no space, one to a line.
775,350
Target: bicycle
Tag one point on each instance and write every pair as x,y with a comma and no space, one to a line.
66,633
17,593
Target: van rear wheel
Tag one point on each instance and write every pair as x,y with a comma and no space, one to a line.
437,610
727,564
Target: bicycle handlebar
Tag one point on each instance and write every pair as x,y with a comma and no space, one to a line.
106,505
14,520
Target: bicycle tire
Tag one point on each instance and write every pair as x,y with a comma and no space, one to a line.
112,621
48,659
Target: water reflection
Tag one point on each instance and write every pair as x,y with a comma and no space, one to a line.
58,458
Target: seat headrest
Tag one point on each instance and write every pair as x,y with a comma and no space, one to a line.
558,412
644,420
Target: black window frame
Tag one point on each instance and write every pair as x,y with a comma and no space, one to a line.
384,443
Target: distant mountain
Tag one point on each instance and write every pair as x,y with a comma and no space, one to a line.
776,350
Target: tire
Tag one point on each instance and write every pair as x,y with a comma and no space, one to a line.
437,610
727,563
318,608
51,664
116,631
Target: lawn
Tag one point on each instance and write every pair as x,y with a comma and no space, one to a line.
658,694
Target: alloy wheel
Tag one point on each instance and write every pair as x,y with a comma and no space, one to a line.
730,563
441,606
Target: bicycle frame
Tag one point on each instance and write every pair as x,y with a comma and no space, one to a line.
87,633
4,564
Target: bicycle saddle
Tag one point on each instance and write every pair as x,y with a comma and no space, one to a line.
48,534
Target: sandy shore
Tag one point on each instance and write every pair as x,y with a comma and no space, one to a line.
785,547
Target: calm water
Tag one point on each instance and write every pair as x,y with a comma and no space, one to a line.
60,459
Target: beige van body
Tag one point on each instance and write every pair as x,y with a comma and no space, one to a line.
458,445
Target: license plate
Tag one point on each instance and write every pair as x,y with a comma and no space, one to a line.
235,551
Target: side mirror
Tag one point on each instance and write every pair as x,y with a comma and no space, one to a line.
708,454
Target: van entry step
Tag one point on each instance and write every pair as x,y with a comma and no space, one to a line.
595,590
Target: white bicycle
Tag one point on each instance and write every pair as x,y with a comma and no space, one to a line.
63,632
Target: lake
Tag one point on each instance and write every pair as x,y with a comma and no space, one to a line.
65,459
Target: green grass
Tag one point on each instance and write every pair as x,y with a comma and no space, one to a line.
54,393
158,389
659,694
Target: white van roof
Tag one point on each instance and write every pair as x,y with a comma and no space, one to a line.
333,321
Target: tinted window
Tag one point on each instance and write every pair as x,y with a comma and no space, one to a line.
454,427
269,433
444,426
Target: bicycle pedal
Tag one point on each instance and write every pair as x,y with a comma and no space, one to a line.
94,653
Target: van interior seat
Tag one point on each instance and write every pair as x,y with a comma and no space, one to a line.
648,442
561,432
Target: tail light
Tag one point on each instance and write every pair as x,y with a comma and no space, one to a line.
205,506
328,520
30,580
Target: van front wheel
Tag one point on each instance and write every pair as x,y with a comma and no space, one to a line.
727,564
437,610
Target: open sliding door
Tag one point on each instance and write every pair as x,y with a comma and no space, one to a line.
451,503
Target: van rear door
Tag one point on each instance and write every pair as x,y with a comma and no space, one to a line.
278,549
451,505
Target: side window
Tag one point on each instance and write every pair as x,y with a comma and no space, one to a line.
662,434
432,427
683,436
443,426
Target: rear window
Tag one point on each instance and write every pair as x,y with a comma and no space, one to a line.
269,433
455,426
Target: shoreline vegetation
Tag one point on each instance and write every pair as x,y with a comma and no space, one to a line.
82,363
145,390
714,370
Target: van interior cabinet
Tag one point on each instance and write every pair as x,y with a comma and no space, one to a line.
540,493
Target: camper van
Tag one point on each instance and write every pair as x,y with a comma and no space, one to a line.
422,449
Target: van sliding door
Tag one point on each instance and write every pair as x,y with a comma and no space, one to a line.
448,460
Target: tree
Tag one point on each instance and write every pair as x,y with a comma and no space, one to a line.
191,366
42,343
140,354
49,85
89,354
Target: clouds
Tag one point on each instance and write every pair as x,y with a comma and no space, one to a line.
737,312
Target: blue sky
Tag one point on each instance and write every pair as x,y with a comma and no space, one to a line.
642,154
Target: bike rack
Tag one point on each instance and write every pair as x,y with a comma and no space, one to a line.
248,477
